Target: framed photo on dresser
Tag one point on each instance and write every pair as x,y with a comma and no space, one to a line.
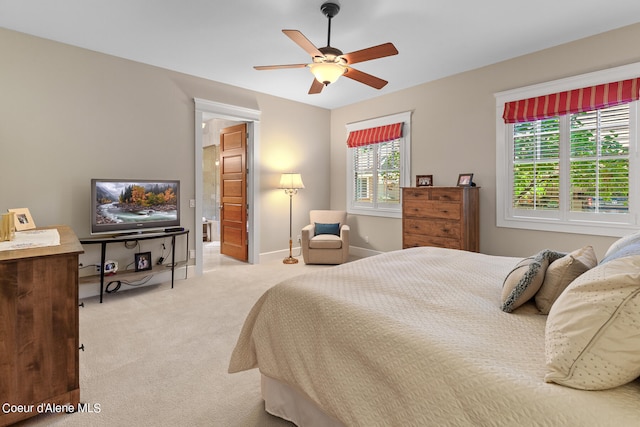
465,180
424,180
23,220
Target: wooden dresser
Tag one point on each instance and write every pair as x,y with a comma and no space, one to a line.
446,217
39,328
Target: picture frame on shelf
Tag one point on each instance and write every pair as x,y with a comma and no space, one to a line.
143,261
424,180
465,180
23,219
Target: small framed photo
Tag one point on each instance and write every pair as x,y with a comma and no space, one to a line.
143,261
22,220
424,180
465,180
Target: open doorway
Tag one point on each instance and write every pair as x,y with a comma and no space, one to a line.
206,111
211,191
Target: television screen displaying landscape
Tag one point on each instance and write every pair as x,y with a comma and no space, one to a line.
134,203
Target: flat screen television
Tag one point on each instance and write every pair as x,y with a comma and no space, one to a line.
134,205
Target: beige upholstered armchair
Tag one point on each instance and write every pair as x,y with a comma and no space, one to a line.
326,239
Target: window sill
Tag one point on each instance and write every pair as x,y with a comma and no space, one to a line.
375,212
594,228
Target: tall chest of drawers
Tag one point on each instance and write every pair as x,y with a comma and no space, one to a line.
447,217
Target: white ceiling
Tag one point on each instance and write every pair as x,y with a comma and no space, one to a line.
223,40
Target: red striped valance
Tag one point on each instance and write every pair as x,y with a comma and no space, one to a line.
572,101
358,138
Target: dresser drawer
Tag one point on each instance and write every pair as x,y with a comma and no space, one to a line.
431,209
440,194
414,240
439,228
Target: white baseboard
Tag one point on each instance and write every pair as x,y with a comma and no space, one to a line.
297,253
363,252
280,255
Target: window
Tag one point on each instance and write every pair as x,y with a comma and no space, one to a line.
574,172
376,171
598,162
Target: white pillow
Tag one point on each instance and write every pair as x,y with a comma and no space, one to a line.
623,241
561,273
592,339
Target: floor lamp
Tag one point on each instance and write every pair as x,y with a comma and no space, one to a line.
290,183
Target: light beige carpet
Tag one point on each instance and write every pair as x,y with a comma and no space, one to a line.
157,356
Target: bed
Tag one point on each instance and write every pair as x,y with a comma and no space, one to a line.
417,337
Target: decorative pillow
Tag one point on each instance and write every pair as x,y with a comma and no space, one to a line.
522,283
327,228
561,273
623,241
592,337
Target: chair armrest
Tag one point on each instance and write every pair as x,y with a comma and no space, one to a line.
308,232
344,233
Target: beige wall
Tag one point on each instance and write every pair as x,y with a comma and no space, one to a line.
68,115
298,141
453,131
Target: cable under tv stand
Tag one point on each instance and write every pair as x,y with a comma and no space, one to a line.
103,241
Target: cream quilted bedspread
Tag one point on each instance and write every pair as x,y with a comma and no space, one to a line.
416,338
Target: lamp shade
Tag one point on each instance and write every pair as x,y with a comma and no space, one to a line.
291,181
327,72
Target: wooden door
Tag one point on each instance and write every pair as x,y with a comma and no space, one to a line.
233,192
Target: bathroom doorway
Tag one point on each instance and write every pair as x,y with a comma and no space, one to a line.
206,111
210,202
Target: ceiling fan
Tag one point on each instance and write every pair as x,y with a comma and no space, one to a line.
329,63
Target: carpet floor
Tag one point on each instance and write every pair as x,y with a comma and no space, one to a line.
157,356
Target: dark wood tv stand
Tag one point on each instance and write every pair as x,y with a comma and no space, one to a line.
121,238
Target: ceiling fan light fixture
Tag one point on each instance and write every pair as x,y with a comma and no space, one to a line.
328,63
327,72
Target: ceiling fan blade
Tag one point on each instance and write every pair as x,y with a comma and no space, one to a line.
365,78
303,42
316,87
278,67
375,52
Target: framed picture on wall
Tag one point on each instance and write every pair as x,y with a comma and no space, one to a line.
465,180
23,220
424,180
